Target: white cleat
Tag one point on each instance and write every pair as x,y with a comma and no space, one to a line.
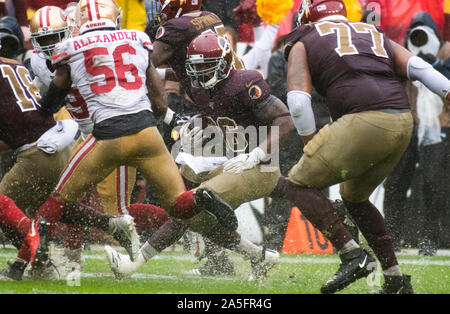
120,264
122,228
261,266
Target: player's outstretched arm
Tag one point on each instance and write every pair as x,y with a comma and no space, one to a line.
414,68
156,92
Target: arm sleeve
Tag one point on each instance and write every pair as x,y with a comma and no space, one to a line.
418,69
299,104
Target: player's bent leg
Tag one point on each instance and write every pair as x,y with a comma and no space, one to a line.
121,265
169,185
239,188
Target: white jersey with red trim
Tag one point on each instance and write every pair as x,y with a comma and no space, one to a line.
75,103
109,69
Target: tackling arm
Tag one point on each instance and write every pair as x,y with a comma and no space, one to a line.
299,86
161,53
415,68
156,92
55,96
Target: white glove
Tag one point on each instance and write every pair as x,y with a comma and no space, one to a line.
245,161
190,139
58,137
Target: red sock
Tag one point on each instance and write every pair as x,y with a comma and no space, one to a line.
51,210
24,252
12,216
185,206
147,215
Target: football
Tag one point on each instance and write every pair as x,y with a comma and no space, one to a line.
201,121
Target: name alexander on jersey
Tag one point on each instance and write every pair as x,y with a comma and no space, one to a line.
103,38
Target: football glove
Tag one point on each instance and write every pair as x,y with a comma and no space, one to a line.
245,161
190,138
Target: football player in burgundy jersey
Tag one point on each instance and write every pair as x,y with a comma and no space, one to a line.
230,99
35,172
180,22
357,68
111,69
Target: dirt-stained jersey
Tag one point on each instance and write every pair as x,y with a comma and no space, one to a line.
105,66
75,103
21,121
352,65
179,32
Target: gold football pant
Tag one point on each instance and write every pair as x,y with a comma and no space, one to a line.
358,151
115,191
145,151
33,177
233,188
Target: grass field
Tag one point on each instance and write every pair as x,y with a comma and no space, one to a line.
165,274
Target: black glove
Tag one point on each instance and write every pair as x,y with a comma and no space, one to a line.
178,120
428,58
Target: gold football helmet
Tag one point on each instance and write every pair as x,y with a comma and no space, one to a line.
48,26
94,14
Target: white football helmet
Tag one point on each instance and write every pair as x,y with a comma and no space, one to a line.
48,26
94,14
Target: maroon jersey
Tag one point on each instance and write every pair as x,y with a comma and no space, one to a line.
238,101
21,122
179,32
352,65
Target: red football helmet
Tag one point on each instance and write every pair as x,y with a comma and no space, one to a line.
314,10
163,10
209,60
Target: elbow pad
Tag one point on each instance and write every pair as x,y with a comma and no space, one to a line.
419,69
54,98
299,104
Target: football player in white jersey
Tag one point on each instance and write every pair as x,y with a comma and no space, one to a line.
49,26
123,92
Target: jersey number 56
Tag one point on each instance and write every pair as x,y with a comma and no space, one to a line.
113,76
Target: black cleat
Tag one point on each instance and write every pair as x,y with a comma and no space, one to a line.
15,270
355,264
213,204
40,256
396,285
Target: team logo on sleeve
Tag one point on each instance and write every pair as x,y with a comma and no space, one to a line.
160,32
255,92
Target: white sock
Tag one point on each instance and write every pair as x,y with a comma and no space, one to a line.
145,253
350,245
249,249
393,271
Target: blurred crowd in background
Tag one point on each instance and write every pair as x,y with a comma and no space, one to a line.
416,205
